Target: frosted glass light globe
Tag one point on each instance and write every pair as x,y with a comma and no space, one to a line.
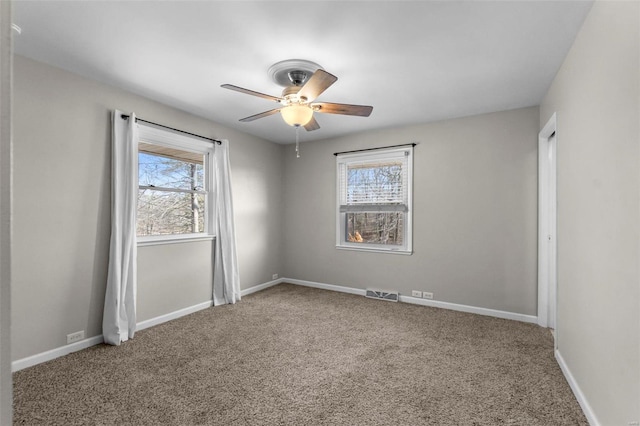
296,114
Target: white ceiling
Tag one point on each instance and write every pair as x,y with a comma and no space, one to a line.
415,62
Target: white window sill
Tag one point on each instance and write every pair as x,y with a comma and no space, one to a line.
376,250
172,239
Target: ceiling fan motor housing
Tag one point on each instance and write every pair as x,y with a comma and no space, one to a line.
290,94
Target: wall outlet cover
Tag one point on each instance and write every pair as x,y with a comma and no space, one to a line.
427,295
75,337
416,293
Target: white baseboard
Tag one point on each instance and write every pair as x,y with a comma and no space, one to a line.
584,404
173,315
30,361
259,287
471,309
425,302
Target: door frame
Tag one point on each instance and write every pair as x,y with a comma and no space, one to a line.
547,225
5,211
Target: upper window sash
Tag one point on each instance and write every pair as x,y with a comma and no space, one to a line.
392,195
166,173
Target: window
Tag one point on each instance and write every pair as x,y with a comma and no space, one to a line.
375,200
174,181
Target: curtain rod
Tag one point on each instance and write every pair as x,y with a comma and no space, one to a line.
125,117
373,149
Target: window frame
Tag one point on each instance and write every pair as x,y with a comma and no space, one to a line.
375,155
161,137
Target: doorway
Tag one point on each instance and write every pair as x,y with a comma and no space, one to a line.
547,226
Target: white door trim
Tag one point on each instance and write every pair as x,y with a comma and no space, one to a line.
5,212
546,224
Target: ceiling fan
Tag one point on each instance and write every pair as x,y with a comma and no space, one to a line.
303,82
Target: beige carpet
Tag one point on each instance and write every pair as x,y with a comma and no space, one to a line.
292,355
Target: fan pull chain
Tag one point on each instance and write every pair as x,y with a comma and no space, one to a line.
298,141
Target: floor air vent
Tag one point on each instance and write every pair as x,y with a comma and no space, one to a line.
391,296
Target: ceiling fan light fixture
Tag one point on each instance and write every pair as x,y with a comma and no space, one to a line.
296,114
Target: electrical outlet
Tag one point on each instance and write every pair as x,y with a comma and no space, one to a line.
416,293
274,276
75,337
427,295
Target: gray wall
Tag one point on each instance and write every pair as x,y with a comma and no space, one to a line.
161,267
596,97
475,213
62,210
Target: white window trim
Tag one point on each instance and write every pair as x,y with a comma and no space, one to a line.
382,153
157,136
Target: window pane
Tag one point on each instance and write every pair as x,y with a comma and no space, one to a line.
168,172
375,183
168,213
375,228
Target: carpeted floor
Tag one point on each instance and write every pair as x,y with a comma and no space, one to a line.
293,355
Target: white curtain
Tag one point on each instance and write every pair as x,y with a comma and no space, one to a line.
119,319
226,281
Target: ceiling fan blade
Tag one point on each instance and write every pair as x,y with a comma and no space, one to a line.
250,92
346,109
312,125
318,83
261,115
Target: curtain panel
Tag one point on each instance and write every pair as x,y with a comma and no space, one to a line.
119,319
226,279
